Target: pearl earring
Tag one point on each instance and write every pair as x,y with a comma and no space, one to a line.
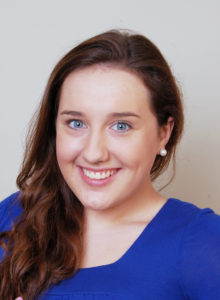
163,152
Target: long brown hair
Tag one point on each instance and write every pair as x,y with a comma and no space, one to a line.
45,243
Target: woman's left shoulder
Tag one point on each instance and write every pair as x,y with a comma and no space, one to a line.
205,224
200,255
202,229
208,220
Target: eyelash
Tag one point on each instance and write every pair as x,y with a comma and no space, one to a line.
118,122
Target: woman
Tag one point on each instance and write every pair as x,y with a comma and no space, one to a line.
87,222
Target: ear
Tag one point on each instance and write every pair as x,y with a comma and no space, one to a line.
165,132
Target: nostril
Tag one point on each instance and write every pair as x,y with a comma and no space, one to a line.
95,155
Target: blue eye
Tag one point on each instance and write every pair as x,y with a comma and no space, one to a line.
122,126
76,124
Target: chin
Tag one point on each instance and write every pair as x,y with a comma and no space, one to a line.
98,205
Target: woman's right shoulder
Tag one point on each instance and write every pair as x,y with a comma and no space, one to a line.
10,208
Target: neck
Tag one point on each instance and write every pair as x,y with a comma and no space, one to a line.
140,208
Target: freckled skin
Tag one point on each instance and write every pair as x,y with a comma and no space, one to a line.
98,91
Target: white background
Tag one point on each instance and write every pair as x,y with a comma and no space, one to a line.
35,34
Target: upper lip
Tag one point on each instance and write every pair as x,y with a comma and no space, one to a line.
100,170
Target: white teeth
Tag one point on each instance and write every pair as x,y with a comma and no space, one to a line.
98,175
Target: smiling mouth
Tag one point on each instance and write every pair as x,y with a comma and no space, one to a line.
99,175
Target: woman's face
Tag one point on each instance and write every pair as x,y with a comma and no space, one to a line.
107,136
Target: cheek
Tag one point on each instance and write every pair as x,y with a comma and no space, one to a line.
143,150
66,149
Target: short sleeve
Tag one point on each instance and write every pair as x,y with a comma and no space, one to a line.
200,257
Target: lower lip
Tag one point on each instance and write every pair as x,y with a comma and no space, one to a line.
97,182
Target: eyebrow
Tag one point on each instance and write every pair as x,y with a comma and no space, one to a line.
114,114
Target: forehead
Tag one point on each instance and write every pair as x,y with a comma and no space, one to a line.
102,88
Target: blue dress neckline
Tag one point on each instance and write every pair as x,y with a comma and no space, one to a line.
155,219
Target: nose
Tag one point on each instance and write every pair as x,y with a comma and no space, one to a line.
95,149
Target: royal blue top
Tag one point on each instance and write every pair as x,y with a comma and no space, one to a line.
177,256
